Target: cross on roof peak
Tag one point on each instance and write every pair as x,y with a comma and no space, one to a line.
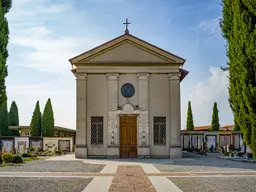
126,23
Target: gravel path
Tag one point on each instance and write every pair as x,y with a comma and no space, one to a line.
54,166
213,184
195,163
43,184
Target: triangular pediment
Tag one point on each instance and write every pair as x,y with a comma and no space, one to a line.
126,49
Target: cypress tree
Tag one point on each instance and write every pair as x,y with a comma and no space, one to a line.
239,29
215,118
190,122
48,120
35,124
4,131
5,6
14,118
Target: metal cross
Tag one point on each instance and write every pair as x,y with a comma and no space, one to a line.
126,23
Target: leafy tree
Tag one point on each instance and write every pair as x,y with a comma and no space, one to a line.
5,6
14,118
215,118
239,29
48,120
35,124
190,122
4,130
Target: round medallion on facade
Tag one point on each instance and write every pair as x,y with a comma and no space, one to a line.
127,90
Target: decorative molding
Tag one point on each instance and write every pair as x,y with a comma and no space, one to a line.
81,77
174,76
127,38
112,76
142,124
143,76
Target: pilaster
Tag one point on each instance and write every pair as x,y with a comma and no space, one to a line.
175,141
113,135
81,124
143,102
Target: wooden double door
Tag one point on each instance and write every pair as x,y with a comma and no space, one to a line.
128,136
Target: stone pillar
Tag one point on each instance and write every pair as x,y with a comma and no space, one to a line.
112,91
113,134
143,103
81,123
175,145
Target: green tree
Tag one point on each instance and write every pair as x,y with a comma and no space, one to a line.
4,130
215,118
190,122
48,120
14,118
35,124
239,29
5,6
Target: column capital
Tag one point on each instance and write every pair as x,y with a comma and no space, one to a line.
143,76
82,76
174,76
112,76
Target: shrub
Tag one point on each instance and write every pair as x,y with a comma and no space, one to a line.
39,150
26,155
17,159
7,157
226,154
59,152
1,160
33,155
31,149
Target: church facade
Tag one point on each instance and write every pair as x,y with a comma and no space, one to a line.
128,100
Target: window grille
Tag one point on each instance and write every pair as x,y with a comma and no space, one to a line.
159,130
96,130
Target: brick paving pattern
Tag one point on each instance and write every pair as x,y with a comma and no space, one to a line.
131,179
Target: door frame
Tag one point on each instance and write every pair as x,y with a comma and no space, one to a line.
137,131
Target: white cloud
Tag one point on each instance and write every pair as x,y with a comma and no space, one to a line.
51,52
205,93
212,27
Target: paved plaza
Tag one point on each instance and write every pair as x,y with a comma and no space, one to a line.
192,173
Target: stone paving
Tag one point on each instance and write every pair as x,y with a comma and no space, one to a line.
43,184
54,166
131,178
192,173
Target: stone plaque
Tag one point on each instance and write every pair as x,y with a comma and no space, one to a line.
200,141
211,142
236,141
224,140
50,145
21,146
36,144
64,145
194,141
7,146
186,141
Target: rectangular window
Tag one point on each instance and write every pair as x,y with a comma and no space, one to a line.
96,130
159,130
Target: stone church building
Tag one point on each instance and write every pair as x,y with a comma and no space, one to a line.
128,100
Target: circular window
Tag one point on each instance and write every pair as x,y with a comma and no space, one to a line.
127,90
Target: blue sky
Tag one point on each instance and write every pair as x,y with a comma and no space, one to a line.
44,34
